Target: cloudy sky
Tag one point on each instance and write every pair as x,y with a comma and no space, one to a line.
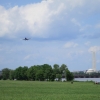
60,32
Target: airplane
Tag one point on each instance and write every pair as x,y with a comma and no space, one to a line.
26,39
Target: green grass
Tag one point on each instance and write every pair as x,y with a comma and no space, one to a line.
30,90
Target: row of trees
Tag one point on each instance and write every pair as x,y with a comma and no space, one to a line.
38,72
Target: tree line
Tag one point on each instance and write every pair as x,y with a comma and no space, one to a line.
38,73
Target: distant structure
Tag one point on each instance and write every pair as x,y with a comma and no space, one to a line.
93,64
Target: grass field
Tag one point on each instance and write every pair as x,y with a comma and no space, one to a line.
30,90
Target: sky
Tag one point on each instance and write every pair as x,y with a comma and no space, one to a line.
60,32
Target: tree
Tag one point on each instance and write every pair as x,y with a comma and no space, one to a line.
63,68
47,70
11,75
0,75
31,73
18,73
39,75
5,73
36,68
52,77
56,69
69,75
24,73
21,73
